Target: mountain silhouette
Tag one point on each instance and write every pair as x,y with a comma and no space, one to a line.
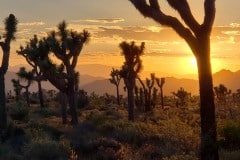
101,85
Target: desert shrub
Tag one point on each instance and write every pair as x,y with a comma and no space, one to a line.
83,100
44,130
46,149
46,112
178,137
229,155
230,134
19,112
97,118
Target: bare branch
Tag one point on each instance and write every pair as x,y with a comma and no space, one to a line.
157,15
184,10
210,11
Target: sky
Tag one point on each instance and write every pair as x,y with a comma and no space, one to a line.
112,21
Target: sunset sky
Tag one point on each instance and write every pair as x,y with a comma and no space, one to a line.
112,21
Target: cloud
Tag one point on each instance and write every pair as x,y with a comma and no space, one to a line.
102,20
39,23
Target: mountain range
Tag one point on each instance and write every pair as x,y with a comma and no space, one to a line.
101,85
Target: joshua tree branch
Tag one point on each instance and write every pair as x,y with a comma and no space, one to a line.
184,11
154,12
210,11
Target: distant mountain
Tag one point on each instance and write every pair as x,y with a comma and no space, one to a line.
230,79
102,85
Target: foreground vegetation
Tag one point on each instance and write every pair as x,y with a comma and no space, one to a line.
104,132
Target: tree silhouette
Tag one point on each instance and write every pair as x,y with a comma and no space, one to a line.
182,95
160,83
115,79
66,45
17,89
38,77
27,76
10,29
129,71
198,38
221,93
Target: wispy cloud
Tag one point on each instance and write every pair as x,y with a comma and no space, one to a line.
39,23
101,20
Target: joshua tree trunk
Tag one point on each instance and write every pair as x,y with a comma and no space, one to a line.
130,104
3,114
40,94
161,93
118,96
27,97
72,99
209,149
63,102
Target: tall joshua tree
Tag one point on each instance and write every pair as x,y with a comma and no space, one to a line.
197,37
160,83
129,71
115,79
9,35
66,45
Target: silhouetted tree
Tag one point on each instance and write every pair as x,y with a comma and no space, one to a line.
198,38
17,89
115,79
10,29
182,95
149,84
66,45
27,76
222,93
38,77
130,69
160,83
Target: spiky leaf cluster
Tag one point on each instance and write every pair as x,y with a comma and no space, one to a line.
131,53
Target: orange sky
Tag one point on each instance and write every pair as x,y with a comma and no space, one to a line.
111,22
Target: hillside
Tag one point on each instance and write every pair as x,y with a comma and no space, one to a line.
102,85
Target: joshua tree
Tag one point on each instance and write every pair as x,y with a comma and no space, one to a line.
150,84
182,95
221,93
129,71
115,79
9,35
66,45
38,77
17,89
197,37
160,83
27,76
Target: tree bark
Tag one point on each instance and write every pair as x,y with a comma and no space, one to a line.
118,97
162,102
63,102
72,99
40,94
3,114
130,104
27,97
208,148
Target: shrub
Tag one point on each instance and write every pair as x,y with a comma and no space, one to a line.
232,155
44,130
45,112
46,150
230,134
19,112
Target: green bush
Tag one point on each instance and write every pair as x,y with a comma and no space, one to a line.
46,150
19,112
44,130
45,112
230,134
